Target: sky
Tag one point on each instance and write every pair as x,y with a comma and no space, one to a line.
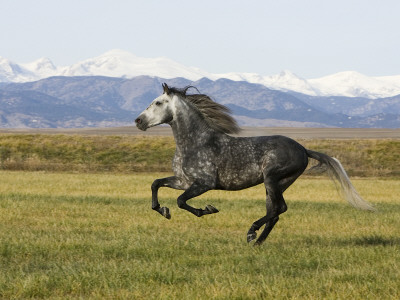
310,38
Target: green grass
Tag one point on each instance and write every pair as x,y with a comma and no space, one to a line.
94,236
124,153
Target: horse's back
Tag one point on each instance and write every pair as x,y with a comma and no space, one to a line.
259,146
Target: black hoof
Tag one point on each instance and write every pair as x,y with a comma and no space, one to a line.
165,212
257,244
211,209
251,237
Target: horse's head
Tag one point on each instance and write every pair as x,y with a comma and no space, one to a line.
160,111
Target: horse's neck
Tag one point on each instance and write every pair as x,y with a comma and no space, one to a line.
190,130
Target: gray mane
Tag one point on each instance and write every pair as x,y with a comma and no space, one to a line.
217,116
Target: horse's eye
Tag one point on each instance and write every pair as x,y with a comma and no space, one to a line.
158,103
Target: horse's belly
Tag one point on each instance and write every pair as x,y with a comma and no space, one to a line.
240,179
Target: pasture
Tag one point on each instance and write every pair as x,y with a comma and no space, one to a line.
93,236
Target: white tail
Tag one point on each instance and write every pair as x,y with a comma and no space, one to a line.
337,171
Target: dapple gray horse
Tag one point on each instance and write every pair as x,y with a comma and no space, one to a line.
207,158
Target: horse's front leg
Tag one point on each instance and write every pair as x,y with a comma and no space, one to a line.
196,189
171,182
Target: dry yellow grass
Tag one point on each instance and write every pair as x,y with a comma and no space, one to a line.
103,153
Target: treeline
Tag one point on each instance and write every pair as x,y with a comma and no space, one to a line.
120,153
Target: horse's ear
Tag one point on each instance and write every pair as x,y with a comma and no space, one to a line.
165,88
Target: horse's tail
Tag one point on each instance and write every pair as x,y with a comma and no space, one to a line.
336,171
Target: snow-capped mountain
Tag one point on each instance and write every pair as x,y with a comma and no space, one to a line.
42,68
12,72
284,81
114,63
354,84
119,63
38,69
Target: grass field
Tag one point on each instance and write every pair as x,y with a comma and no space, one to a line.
94,236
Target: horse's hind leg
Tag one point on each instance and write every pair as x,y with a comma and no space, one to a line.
279,173
275,206
282,186
252,234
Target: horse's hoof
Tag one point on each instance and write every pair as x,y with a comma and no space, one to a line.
211,209
257,244
251,237
165,212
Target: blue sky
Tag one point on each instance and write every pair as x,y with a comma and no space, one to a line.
310,38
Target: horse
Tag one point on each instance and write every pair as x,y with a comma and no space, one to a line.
208,157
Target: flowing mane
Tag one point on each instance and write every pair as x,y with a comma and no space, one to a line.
216,115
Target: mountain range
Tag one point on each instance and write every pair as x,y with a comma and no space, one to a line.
109,90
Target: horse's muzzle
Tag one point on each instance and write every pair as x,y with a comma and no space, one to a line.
141,123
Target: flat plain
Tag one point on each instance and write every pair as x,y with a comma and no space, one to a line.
79,235
296,133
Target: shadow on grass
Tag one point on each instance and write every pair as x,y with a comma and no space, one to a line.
341,207
358,241
372,240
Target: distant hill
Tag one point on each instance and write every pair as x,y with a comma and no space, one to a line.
93,101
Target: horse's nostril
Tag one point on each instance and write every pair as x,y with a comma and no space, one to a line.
138,120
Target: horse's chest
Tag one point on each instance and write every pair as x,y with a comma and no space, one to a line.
177,164
194,164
